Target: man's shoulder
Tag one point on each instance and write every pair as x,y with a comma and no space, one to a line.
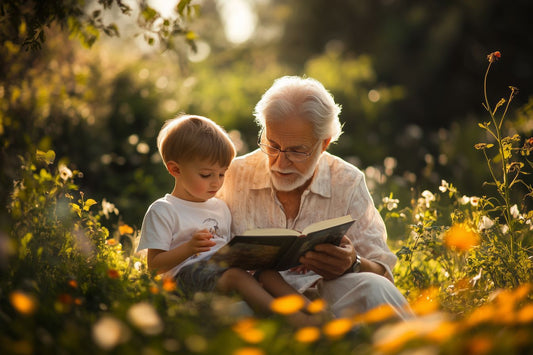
341,167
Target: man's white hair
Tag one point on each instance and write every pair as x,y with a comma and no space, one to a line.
300,97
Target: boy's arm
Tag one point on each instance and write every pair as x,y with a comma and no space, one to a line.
163,260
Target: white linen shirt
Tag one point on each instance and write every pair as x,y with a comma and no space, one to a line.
338,188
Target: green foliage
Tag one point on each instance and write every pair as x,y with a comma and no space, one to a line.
24,22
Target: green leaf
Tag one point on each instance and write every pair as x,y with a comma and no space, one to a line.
47,157
88,204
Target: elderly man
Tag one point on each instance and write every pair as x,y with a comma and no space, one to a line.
291,182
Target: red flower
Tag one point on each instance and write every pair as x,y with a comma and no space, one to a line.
494,56
113,274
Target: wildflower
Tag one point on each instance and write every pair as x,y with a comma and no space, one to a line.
113,274
377,314
24,303
144,316
73,283
316,306
514,211
494,56
390,203
287,304
427,198
111,241
169,284
108,208
337,327
482,146
108,332
64,172
461,238
125,229
248,351
485,223
474,201
248,332
464,200
307,334
525,315
444,186
426,302
528,146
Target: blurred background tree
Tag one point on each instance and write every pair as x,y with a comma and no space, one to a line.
408,75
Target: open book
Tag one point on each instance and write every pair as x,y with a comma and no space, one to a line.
278,248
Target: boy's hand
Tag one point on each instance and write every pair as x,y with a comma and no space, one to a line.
201,241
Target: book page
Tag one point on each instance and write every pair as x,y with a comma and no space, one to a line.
271,232
326,224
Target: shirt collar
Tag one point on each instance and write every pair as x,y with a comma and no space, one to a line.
320,185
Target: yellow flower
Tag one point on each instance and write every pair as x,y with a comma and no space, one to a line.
337,327
247,331
248,351
24,303
125,229
427,302
287,304
525,315
316,306
307,334
460,237
377,314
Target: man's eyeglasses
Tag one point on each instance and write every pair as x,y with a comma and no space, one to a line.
293,156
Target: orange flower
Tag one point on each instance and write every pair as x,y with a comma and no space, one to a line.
169,284
73,283
338,327
377,314
246,329
65,298
316,306
113,274
287,304
494,56
24,303
307,334
125,229
248,351
460,237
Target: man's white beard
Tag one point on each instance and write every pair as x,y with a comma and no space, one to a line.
292,183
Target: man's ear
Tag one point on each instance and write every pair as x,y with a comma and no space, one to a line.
325,144
173,168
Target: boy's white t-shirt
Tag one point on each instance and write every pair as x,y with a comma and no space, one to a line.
171,221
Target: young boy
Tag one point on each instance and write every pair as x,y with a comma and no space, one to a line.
183,229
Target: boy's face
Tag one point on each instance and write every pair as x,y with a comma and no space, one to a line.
197,180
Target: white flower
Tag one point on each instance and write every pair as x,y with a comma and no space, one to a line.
464,200
64,172
444,186
474,200
485,223
144,316
108,332
504,228
390,203
427,198
514,211
107,208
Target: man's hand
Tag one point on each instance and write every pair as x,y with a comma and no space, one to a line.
330,261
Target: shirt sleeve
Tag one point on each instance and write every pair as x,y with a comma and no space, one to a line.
157,228
369,234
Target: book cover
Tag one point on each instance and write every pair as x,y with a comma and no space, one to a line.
277,248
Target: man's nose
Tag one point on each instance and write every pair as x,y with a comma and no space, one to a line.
283,161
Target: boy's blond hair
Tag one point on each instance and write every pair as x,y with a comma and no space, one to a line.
188,137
